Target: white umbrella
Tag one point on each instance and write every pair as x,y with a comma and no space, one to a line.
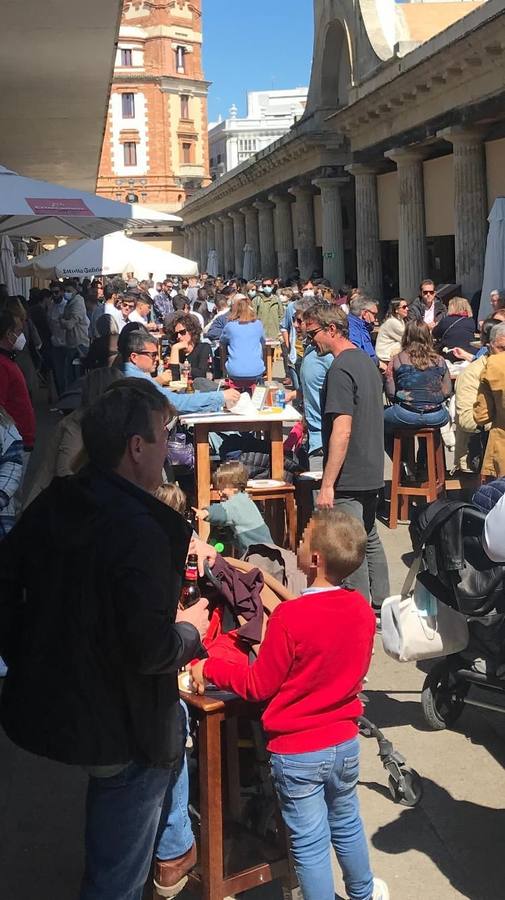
7,261
113,254
249,262
494,264
212,264
29,207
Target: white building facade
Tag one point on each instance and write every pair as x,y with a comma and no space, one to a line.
270,115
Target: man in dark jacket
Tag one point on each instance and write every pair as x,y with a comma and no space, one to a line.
427,307
89,584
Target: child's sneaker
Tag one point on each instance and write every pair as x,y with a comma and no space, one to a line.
380,890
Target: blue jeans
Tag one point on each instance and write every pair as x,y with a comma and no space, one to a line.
177,837
319,805
122,817
397,417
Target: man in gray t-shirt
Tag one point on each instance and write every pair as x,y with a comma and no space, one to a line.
353,439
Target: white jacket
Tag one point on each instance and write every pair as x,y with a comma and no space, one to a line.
389,338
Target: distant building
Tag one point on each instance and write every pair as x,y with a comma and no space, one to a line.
270,114
155,142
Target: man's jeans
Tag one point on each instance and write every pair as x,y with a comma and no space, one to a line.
175,833
122,818
319,804
372,577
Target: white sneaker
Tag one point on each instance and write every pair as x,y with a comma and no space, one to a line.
380,890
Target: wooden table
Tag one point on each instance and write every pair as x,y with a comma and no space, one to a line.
270,348
270,423
212,881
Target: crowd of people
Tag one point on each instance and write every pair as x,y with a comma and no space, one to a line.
90,663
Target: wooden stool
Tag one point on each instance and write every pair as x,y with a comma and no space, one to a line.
433,487
283,528
215,716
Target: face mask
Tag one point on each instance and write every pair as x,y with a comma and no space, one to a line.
252,294
210,305
20,343
68,295
308,295
267,291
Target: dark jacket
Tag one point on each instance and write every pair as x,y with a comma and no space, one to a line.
417,308
455,331
89,583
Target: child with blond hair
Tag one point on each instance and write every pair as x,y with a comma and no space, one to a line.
236,511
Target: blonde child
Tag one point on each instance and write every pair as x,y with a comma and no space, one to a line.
236,510
310,669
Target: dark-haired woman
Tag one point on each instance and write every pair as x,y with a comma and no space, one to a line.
390,334
184,333
417,384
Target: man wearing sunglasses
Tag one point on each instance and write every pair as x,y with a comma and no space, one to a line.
353,439
427,307
141,355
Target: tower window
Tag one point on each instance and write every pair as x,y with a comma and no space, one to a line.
179,60
130,153
126,58
128,105
184,106
186,154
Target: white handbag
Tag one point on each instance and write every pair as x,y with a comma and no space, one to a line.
416,625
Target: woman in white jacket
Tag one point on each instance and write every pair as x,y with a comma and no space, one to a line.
389,337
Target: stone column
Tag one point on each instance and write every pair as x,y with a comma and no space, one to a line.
199,240
470,206
229,255
252,233
238,240
411,220
211,237
333,233
305,229
187,242
283,231
219,245
268,262
368,250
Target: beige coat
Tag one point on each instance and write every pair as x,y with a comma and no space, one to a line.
466,390
389,338
490,408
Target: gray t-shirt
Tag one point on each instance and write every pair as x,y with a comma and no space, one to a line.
353,387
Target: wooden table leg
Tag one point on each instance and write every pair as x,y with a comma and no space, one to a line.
276,451
291,522
269,354
211,825
202,475
232,769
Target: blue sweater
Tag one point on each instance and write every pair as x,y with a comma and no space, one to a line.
185,404
245,349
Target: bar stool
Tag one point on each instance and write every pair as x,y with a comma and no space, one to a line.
283,528
433,487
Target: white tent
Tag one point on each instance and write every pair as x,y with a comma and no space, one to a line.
494,264
113,254
30,207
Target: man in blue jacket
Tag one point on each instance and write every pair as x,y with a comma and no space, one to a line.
141,358
362,318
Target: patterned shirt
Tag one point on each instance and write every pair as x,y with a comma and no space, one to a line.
11,473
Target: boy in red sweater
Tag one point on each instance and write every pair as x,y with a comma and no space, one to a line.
310,667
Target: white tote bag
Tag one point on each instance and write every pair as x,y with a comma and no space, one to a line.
415,625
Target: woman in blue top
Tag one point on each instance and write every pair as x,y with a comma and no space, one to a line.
242,342
417,384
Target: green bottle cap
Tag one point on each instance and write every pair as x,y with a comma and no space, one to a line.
219,547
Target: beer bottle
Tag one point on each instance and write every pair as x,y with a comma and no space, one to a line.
190,388
190,592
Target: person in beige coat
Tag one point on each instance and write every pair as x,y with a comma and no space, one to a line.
489,408
390,334
465,395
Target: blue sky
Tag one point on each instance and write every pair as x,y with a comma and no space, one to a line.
254,45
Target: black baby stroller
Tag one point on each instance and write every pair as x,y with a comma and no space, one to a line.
459,573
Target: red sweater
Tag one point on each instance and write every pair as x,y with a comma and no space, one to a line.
15,399
311,665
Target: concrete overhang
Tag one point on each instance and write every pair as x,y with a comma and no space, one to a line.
56,66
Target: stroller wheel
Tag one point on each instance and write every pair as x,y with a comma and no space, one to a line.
409,790
442,698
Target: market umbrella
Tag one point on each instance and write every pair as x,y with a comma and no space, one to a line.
249,263
30,207
7,262
113,254
494,263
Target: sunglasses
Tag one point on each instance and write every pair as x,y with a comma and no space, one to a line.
311,334
403,306
152,353
299,321
181,333
428,292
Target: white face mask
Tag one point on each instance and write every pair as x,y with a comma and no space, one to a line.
20,343
68,295
308,294
252,294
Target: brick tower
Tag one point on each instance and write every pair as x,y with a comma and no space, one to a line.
155,143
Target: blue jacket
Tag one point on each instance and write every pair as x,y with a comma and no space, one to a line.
185,404
360,336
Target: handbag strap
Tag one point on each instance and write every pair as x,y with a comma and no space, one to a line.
411,575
